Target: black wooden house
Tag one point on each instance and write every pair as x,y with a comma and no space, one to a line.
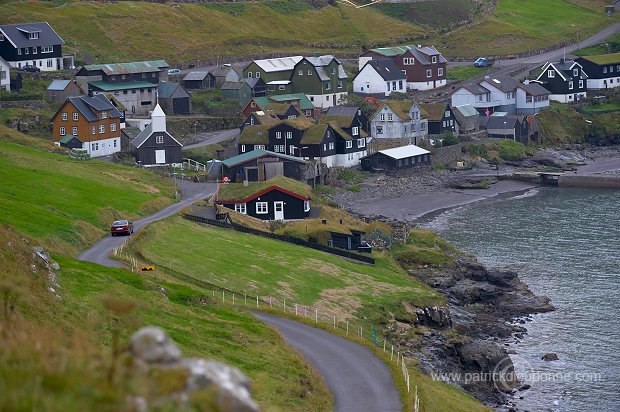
404,157
154,146
566,80
34,44
440,118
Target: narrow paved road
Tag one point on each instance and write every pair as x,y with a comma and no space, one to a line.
101,251
359,380
203,139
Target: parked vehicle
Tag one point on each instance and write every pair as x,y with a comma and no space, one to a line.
121,227
30,68
484,62
173,72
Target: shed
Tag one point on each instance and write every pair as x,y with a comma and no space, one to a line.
59,90
71,142
257,87
508,127
404,157
199,81
259,165
240,92
154,146
174,99
349,241
467,117
279,198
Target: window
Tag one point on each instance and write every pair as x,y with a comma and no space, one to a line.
400,85
94,129
340,84
1,37
570,85
291,150
388,86
26,50
249,75
282,87
94,146
382,117
390,117
393,85
434,59
528,98
604,69
19,52
408,61
104,115
50,63
259,146
289,135
361,143
440,71
75,116
328,86
33,36
331,146
102,128
278,135
124,91
34,50
306,205
159,139
349,144
379,129
47,49
309,72
64,116
611,69
581,84
324,146
74,131
112,127
62,131
333,70
240,208
550,74
355,131
262,208
242,148
576,72
114,141
258,75
301,72
2,75
429,73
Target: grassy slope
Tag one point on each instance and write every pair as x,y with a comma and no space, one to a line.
187,32
560,123
51,197
67,373
519,25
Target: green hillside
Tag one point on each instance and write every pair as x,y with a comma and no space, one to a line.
189,33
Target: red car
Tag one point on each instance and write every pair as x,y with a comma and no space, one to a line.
121,227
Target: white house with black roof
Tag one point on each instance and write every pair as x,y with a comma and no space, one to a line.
5,75
154,146
603,70
34,44
566,81
380,77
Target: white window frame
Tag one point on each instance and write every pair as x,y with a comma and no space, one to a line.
94,129
65,116
331,145
361,143
104,115
575,72
262,208
581,84
551,74
278,135
241,208
75,116
570,85
159,139
19,51
250,74
328,86
281,87
349,144
74,130
306,205
47,49
289,135
390,117
309,72
429,73
434,59
34,50
301,72
258,75
242,148
355,130
63,131
440,71
379,129
50,63
101,128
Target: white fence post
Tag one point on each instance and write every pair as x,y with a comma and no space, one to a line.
233,298
222,296
316,316
245,299
256,301
384,344
284,306
270,306
347,327
392,353
334,321
295,309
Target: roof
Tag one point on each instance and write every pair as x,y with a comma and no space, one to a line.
466,110
314,134
501,122
503,83
342,111
67,138
278,64
110,87
279,82
435,111
262,102
166,90
257,134
231,86
418,52
255,154
300,123
475,88
17,34
319,64
386,68
148,132
221,71
90,106
240,193
304,102
404,151
128,68
611,58
131,132
401,108
251,81
534,89
58,85
196,76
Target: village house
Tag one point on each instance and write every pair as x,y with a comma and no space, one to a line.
531,98
380,77
278,198
154,146
399,119
199,81
398,158
257,87
299,100
35,44
5,75
59,90
603,70
440,118
276,73
508,127
260,165
91,123
272,113
353,114
174,99
227,73
236,91
467,117
565,80
424,67
133,84
321,78
349,240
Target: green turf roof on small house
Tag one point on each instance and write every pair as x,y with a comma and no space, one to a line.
239,193
610,58
258,134
434,111
314,134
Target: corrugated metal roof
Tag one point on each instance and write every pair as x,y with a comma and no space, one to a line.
196,76
110,87
58,85
304,102
278,64
404,151
255,154
466,110
129,68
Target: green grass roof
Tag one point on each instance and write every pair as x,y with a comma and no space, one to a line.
314,134
257,134
238,191
611,58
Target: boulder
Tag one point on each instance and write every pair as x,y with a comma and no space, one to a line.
548,357
152,345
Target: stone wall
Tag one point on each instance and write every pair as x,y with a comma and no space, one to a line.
446,155
23,104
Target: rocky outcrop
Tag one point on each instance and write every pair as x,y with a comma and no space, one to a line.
154,353
549,357
435,316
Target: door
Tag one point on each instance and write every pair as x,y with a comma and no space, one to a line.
180,106
278,210
160,156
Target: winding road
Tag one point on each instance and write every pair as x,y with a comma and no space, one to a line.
359,380
100,252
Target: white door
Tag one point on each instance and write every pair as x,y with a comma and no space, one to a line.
160,156
278,210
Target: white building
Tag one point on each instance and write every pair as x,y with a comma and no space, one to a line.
5,75
380,77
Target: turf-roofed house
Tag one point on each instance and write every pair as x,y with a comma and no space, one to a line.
279,198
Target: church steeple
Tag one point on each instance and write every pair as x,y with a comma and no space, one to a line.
158,119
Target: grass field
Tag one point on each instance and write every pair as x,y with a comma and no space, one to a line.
70,203
59,349
466,72
612,45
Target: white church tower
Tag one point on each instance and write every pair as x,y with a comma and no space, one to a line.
158,119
